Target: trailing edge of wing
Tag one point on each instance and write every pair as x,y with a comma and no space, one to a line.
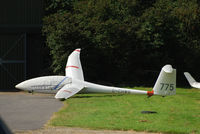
68,91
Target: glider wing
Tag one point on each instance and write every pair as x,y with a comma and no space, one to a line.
73,68
68,91
191,80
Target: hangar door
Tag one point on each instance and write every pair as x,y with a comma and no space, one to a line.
12,60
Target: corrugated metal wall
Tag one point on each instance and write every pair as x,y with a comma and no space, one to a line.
20,22
12,59
20,12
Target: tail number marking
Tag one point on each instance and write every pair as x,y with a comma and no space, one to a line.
165,86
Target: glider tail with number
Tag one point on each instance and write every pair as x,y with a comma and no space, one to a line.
166,82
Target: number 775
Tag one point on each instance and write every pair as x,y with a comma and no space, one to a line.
165,86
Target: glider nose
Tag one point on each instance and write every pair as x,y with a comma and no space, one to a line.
20,86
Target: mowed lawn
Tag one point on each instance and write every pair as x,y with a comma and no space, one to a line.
175,114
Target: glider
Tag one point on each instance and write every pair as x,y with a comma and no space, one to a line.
73,82
191,80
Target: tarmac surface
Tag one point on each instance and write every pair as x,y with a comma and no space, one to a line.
70,130
24,111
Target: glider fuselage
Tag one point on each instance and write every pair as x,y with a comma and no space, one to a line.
52,84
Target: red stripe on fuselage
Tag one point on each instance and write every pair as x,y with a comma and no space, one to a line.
67,91
72,66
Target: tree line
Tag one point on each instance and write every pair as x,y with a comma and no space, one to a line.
124,42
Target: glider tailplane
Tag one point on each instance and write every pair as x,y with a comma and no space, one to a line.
166,82
73,67
190,79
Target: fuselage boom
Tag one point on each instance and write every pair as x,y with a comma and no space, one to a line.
96,88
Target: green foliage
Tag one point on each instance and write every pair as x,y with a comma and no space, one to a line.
124,36
175,114
53,6
101,25
172,29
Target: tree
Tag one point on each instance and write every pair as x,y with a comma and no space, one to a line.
125,37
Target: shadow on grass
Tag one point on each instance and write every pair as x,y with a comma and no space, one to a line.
90,96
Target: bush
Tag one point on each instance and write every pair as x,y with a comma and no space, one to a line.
124,39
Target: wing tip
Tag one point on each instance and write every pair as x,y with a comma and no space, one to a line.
78,50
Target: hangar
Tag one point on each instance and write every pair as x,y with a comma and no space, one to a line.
21,41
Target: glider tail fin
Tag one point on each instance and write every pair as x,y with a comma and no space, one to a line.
73,67
190,79
166,82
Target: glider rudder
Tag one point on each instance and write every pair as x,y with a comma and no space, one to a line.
166,82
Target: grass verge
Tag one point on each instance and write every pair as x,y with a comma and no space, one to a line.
175,114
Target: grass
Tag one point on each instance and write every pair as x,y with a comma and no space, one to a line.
175,114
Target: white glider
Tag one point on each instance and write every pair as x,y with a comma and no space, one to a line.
191,80
73,82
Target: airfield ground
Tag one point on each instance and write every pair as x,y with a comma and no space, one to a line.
178,114
25,113
103,114
66,130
